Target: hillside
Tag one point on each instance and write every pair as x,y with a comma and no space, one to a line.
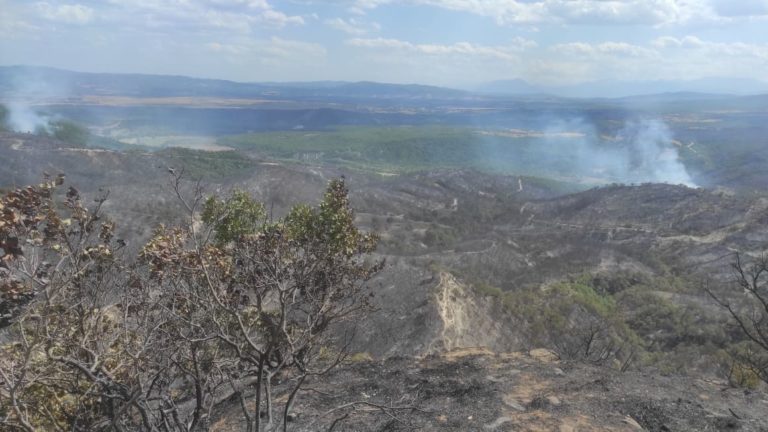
481,242
503,263
475,389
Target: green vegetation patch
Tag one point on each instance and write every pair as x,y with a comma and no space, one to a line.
69,132
401,147
647,321
414,148
205,164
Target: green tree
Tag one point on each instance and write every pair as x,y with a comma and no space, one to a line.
234,217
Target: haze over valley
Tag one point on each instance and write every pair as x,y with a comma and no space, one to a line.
671,138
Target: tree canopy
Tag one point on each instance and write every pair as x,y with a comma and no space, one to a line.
102,340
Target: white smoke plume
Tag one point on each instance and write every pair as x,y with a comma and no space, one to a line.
652,155
23,118
642,151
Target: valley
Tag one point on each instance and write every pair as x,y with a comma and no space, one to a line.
510,226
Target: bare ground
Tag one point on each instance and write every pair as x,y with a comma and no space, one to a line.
472,389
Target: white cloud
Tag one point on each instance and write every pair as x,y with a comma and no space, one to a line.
272,49
293,49
673,42
66,13
237,33
272,59
395,60
591,12
279,19
236,15
224,48
741,8
352,26
666,57
13,26
694,46
614,49
505,52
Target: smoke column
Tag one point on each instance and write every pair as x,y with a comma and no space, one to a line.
642,151
652,155
22,118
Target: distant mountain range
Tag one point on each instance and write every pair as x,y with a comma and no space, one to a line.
45,82
34,81
619,89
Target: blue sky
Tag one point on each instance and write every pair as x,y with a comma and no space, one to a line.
442,42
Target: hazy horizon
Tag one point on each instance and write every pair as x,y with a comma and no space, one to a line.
452,43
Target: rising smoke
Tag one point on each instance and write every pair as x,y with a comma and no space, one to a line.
28,88
23,118
640,151
651,154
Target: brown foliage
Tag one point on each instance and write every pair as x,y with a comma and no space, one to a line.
100,340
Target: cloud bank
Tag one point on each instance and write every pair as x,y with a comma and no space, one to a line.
443,42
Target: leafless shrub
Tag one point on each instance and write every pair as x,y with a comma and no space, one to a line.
747,304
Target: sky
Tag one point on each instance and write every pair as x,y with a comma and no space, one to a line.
440,42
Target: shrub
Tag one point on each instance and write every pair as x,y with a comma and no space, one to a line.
97,340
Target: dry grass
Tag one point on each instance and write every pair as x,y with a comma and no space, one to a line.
209,102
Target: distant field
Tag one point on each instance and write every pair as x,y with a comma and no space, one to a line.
165,141
184,101
409,148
